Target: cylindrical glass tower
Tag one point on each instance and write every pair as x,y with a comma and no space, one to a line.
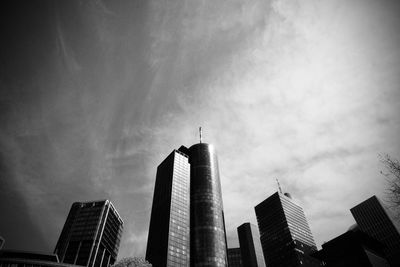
207,234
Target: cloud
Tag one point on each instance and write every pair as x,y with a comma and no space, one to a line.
304,91
136,242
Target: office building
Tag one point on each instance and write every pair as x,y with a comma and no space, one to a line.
91,235
353,248
374,219
191,229
250,245
285,236
168,241
234,257
208,239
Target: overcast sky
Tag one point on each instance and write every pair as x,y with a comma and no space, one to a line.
95,94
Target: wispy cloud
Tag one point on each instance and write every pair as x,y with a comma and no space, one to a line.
304,91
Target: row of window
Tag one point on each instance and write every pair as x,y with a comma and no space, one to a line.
179,236
174,261
180,241
180,184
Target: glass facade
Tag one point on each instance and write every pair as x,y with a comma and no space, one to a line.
285,236
179,224
91,235
169,233
234,257
296,221
250,246
208,239
373,218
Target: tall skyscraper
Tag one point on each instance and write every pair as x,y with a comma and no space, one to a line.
250,246
208,239
168,242
373,219
91,235
286,238
194,235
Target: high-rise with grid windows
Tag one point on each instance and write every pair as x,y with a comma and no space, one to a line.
374,219
91,235
168,242
187,225
285,236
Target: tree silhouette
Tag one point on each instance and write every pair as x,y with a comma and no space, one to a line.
392,175
132,262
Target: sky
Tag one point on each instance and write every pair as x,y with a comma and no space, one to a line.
95,94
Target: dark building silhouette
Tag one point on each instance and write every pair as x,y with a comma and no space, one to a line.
194,235
168,241
234,257
250,246
285,236
91,235
11,258
373,218
353,248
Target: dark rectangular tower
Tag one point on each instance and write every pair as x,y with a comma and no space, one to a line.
373,218
168,242
91,235
286,238
250,246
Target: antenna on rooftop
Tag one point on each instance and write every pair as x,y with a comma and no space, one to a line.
200,134
279,186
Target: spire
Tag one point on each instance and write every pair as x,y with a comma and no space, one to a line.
279,186
200,134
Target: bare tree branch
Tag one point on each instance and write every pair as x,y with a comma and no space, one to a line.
392,176
132,262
